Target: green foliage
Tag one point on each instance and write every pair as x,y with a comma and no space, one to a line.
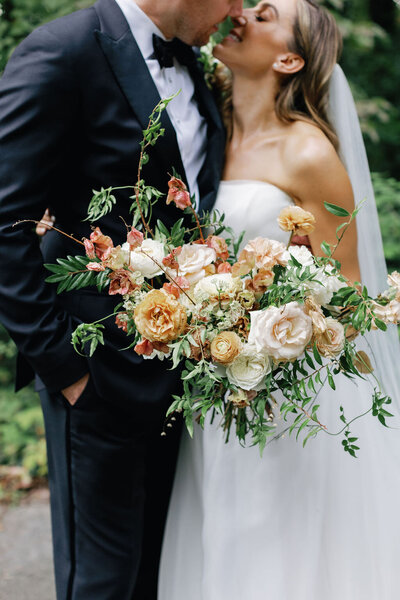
19,17
71,274
22,440
387,193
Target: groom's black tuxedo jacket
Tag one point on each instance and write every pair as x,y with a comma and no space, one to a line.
74,100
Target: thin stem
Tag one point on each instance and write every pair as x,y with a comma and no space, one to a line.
71,237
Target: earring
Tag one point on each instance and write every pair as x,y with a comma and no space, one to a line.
275,65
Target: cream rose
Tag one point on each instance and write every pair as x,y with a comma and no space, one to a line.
332,341
225,347
159,317
193,261
282,333
388,314
141,258
249,369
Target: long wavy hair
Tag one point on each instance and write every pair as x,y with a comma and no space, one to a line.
304,95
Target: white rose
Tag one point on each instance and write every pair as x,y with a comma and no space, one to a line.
302,255
193,260
281,332
144,264
249,369
212,285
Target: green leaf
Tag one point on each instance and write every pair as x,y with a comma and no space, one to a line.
336,210
326,249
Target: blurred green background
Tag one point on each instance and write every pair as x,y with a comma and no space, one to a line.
371,60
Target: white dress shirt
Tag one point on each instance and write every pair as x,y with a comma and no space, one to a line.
183,111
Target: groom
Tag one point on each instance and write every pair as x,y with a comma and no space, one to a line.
74,100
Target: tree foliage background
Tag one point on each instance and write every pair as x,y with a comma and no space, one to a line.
371,60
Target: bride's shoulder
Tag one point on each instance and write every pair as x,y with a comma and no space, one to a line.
307,149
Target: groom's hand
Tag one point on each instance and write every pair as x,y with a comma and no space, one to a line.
73,392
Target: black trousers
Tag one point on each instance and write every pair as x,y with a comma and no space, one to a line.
110,482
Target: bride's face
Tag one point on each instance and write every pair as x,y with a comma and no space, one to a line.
256,46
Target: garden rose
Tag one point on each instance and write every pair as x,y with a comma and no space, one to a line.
193,261
281,332
388,314
159,317
143,262
249,369
332,341
296,219
225,347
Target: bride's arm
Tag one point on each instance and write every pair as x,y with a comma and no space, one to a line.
318,176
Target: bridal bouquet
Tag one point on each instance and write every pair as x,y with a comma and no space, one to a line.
240,325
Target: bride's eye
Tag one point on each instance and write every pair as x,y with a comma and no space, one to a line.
259,18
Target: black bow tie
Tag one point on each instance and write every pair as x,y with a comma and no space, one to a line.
165,52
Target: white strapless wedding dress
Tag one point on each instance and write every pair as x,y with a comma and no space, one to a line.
296,524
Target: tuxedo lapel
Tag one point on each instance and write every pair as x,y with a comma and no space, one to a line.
210,173
130,70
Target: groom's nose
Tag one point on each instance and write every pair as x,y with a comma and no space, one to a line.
236,9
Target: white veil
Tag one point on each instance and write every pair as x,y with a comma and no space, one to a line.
384,347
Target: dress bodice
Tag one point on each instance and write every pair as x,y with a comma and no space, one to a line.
253,206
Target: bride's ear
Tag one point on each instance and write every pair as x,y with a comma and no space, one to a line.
288,64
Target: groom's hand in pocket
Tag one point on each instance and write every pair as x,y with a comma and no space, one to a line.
73,392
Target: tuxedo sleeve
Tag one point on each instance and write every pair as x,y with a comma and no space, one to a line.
38,105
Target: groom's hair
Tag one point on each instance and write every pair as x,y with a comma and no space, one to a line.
305,95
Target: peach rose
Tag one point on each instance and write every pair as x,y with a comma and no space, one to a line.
261,253
225,347
332,341
159,317
296,219
282,333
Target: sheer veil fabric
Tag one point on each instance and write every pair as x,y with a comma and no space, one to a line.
296,524
385,347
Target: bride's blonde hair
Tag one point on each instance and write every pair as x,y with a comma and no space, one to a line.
305,95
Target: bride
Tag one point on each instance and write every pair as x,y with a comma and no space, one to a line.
296,524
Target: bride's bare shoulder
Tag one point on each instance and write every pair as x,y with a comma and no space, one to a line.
307,149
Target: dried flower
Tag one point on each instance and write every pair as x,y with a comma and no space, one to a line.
178,193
